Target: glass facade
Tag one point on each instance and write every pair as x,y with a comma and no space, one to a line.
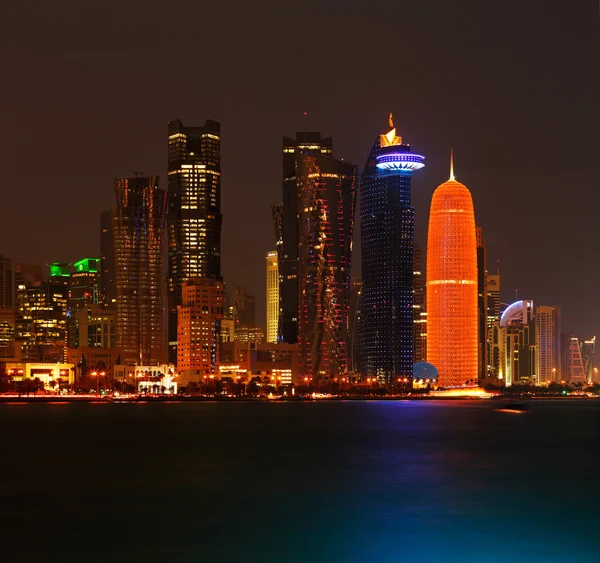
326,198
138,230
387,238
194,211
287,224
452,302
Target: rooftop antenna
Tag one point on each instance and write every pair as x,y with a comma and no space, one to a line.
305,124
452,165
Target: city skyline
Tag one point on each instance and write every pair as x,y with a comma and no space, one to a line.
508,126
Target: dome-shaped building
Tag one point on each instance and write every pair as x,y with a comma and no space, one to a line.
452,285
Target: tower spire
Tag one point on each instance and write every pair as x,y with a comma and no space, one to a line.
391,122
451,164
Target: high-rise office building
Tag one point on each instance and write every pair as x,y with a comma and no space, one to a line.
548,343
354,325
199,328
482,306
452,285
272,294
576,371
287,226
108,286
194,211
494,306
6,283
419,311
41,313
326,197
588,350
277,212
387,239
7,303
138,229
84,290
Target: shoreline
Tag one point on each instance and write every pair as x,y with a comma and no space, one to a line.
62,399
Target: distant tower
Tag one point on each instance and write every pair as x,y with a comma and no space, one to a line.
272,291
108,287
548,343
482,306
138,228
452,284
387,238
194,211
419,311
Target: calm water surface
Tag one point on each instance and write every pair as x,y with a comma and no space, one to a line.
300,482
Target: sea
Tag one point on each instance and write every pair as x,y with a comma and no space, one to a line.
322,481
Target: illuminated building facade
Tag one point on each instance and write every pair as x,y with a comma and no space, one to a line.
588,350
515,342
576,370
387,239
419,311
138,230
108,286
272,291
41,312
452,285
287,225
194,215
199,332
325,202
277,211
84,290
548,343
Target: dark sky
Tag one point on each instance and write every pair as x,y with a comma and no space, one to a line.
513,86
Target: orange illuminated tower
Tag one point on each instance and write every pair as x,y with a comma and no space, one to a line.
452,284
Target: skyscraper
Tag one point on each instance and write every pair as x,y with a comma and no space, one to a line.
194,211
277,213
7,303
452,284
138,230
576,373
6,283
317,221
419,311
108,286
482,306
84,290
354,325
272,290
548,342
286,218
387,238
326,197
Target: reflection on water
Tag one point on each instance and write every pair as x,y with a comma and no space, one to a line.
289,482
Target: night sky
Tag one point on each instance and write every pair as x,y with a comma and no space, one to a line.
512,86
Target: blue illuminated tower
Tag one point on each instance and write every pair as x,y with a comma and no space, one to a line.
387,239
